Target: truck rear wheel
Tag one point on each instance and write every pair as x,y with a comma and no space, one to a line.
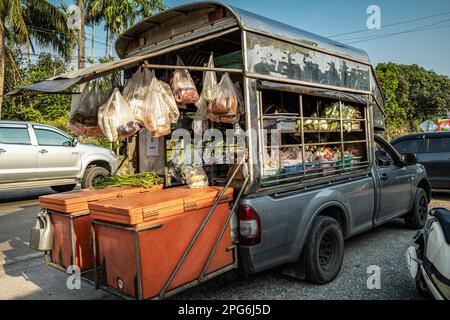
92,176
324,250
417,218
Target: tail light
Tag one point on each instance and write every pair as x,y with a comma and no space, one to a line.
249,226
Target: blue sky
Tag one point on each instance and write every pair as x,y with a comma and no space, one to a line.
429,48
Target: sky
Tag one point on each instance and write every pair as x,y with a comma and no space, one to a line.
425,41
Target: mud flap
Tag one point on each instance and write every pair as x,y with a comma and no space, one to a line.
296,269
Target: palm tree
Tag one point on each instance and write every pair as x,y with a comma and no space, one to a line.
29,22
119,15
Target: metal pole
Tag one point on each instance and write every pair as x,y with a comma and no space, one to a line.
216,245
180,263
191,68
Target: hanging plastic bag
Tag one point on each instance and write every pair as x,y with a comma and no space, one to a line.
83,120
157,117
183,87
136,91
115,118
195,177
201,123
226,102
169,99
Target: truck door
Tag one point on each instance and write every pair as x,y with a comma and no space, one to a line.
57,157
394,181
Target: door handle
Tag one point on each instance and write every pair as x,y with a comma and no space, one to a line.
2,151
384,177
43,151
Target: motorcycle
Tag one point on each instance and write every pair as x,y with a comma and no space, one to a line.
429,260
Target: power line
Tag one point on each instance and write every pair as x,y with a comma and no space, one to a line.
423,28
391,24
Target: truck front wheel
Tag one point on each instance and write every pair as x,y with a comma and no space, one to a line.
324,250
92,176
417,218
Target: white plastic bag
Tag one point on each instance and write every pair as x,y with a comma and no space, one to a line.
226,102
136,91
83,118
115,118
157,118
195,177
183,87
201,123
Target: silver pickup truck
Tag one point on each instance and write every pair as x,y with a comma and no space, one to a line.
305,229
35,155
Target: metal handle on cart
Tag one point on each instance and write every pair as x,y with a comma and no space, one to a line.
180,263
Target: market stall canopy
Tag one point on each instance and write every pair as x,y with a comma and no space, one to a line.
66,80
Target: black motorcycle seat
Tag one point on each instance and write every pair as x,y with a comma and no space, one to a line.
443,217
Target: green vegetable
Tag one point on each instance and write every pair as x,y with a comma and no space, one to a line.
142,180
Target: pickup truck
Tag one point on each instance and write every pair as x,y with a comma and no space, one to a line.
305,229
36,155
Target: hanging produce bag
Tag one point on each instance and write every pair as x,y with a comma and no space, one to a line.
159,115
226,102
183,86
83,120
115,118
201,123
136,91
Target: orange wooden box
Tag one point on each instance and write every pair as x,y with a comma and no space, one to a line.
137,261
71,223
141,208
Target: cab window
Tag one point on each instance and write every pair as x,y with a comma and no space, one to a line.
411,146
13,135
383,157
439,145
51,138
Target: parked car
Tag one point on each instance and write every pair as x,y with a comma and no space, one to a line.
36,155
433,151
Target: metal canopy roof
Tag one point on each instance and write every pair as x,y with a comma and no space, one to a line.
247,21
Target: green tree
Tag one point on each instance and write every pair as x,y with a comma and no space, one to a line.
29,22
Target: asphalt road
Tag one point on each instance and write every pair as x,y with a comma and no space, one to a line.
24,276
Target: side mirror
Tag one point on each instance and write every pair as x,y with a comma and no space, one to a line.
409,159
74,142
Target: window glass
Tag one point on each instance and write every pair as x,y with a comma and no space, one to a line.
410,146
51,138
383,157
439,145
14,136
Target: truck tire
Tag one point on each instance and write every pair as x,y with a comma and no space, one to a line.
92,176
417,218
64,188
324,250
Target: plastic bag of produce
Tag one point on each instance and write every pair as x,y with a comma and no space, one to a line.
226,102
136,90
115,118
169,100
195,177
183,86
83,119
157,118
201,123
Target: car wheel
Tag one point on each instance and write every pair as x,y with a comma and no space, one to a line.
417,218
65,188
422,287
324,250
92,176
